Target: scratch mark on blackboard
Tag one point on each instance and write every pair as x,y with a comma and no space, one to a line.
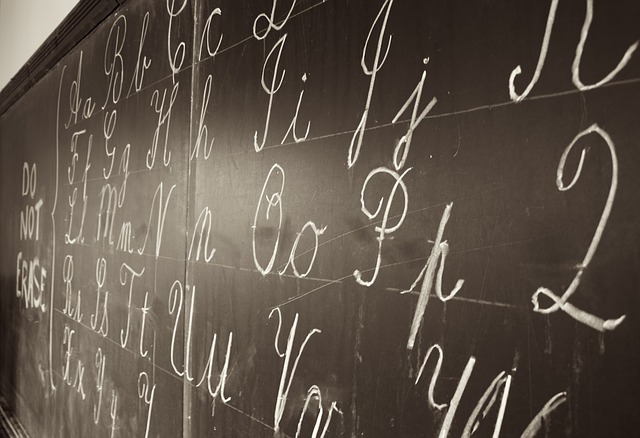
358,361
529,367
459,136
484,279
547,335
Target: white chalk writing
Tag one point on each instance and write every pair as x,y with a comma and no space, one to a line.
74,194
113,61
439,251
270,90
73,312
101,275
176,58
271,21
206,35
401,151
160,218
561,303
575,67
383,229
76,102
164,118
203,131
287,369
314,393
142,63
543,54
125,271
356,140
146,393
100,363
76,382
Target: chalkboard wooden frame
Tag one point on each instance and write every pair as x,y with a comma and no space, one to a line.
9,423
82,19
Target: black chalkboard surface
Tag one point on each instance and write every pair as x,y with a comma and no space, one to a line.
311,218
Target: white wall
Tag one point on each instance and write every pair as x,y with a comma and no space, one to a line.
24,26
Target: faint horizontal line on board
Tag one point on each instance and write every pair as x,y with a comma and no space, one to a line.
249,150
119,251
328,281
447,114
82,324
502,245
535,97
112,177
384,125
370,128
372,224
418,259
117,344
255,271
255,419
468,300
377,223
198,262
183,380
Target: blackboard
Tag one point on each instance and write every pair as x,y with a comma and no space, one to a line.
312,218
